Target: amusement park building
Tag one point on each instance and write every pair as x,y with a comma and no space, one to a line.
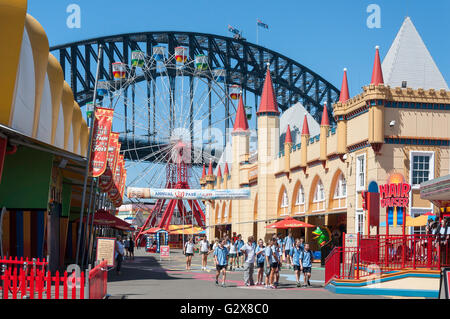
398,124
43,144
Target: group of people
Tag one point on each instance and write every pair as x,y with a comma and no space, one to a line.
268,259
124,249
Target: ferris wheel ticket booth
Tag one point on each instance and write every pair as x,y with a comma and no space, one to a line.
155,238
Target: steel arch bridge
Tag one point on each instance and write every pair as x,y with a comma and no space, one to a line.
244,64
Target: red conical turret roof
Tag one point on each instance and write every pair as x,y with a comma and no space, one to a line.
344,88
268,102
305,128
204,171
325,120
219,172
377,73
288,137
210,169
226,171
240,122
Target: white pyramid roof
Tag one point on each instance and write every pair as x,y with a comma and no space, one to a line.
409,60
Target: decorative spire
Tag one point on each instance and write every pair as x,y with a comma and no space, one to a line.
204,171
226,171
219,172
344,88
305,128
325,120
288,137
240,122
210,169
268,102
377,73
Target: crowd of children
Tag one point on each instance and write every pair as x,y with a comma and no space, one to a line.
267,259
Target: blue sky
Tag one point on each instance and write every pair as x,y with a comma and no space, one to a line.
325,35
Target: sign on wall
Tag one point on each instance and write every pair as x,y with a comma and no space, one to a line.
106,250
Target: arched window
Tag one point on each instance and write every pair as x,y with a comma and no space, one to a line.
341,187
319,194
319,197
284,200
300,198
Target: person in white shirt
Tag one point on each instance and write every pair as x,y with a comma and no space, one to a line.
249,263
232,254
189,252
204,251
119,253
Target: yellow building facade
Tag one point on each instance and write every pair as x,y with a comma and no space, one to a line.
381,131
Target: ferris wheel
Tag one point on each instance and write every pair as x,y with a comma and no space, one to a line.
169,109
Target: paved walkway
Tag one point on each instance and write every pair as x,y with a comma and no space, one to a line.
148,277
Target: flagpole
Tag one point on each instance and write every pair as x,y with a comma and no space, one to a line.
257,33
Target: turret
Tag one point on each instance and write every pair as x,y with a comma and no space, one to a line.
324,127
226,173
210,178
341,130
287,150
304,143
376,109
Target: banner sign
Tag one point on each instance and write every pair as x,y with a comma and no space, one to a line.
395,195
164,252
199,194
99,151
106,179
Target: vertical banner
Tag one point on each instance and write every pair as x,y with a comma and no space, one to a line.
114,191
99,148
106,179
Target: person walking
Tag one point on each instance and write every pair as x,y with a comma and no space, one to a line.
295,254
249,261
127,246
240,258
119,254
204,251
131,247
275,264
232,254
260,257
221,261
189,252
306,261
267,263
288,245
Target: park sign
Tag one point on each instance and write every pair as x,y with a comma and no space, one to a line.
394,195
188,194
100,144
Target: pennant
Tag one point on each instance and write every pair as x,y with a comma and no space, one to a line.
106,179
100,143
261,24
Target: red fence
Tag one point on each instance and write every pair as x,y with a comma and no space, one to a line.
22,279
380,254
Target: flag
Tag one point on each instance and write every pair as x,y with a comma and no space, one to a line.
100,144
261,24
233,30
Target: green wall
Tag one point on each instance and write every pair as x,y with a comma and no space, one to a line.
66,197
26,179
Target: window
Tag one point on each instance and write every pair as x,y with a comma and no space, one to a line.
361,172
422,168
359,222
319,195
300,199
341,187
284,200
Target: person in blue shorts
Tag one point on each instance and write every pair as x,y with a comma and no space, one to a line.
288,245
306,258
260,257
221,260
295,254
240,255
267,262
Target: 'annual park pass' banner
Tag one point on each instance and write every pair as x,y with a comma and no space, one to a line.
106,180
102,130
199,194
